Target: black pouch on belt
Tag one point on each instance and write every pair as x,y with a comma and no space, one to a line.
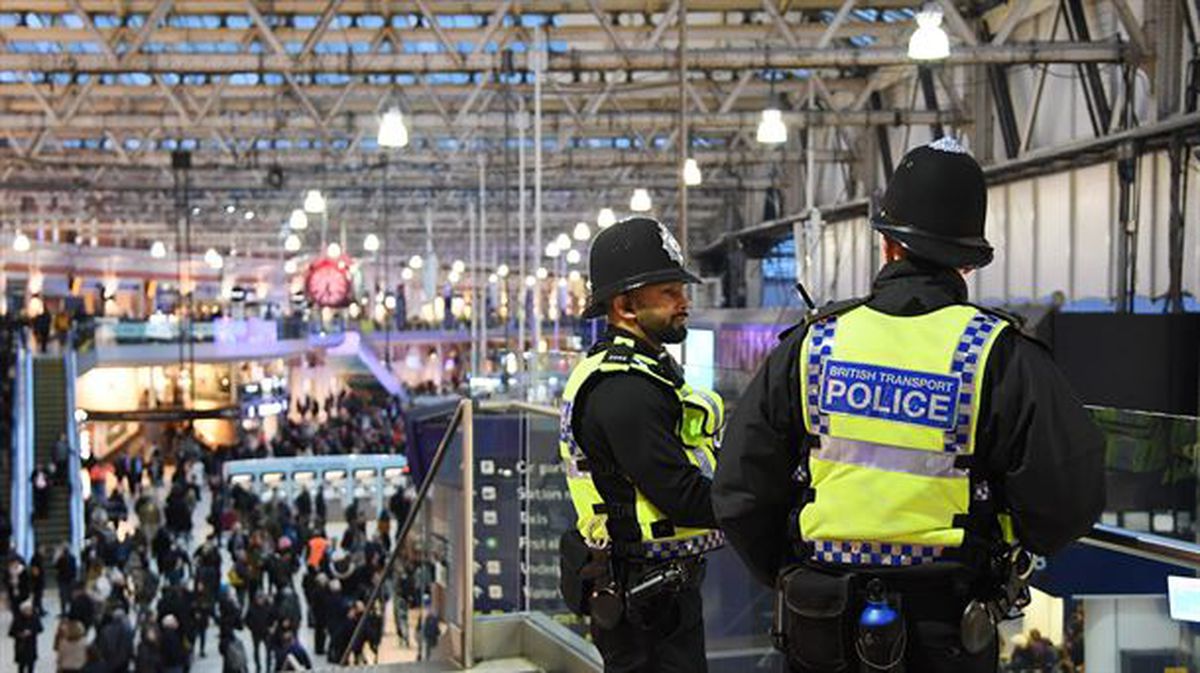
815,619
581,570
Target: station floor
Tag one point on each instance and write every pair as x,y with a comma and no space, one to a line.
391,649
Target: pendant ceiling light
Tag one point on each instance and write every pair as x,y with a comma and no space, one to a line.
691,173
640,201
298,221
929,42
392,131
606,218
314,202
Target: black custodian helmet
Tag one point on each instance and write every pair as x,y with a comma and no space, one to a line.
936,206
630,254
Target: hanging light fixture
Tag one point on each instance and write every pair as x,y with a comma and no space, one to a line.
249,215
291,243
929,42
392,131
606,218
458,266
771,129
640,201
334,250
289,267
454,276
21,242
530,281
158,250
230,208
406,273
552,250
502,271
298,221
314,202
415,262
582,231
691,173
542,273
389,302
575,276
213,258
371,243
563,242
493,278
573,257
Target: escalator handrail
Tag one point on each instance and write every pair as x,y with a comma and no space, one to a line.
409,520
1144,545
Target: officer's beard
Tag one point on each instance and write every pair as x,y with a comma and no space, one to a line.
671,331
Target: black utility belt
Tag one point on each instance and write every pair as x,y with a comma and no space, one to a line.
847,620
605,587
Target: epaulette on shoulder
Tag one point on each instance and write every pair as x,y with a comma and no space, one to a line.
830,309
1017,321
1014,319
618,354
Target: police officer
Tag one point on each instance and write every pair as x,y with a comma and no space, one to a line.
638,448
893,450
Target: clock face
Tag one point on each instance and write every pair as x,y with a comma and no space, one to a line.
328,283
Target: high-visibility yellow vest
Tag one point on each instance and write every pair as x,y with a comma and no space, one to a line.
701,423
894,402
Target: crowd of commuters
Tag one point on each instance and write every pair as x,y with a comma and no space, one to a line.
155,583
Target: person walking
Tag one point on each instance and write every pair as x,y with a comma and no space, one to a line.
26,626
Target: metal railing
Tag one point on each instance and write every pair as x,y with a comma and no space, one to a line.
1144,545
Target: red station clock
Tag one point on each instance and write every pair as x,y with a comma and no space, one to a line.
328,282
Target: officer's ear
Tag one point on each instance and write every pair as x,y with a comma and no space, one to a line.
624,307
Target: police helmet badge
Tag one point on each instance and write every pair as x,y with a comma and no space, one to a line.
670,244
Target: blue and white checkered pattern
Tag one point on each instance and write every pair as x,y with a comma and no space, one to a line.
820,347
689,546
567,436
966,365
875,553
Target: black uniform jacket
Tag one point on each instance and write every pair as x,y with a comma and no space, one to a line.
1042,453
626,425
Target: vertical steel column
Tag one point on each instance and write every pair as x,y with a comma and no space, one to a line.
472,257
539,65
929,91
522,126
685,140
1178,154
1093,85
882,139
480,269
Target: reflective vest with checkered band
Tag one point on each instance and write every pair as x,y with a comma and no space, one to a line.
701,424
894,402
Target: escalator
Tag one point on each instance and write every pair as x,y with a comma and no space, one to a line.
50,414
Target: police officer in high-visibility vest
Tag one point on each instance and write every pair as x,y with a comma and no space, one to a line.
638,446
898,457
